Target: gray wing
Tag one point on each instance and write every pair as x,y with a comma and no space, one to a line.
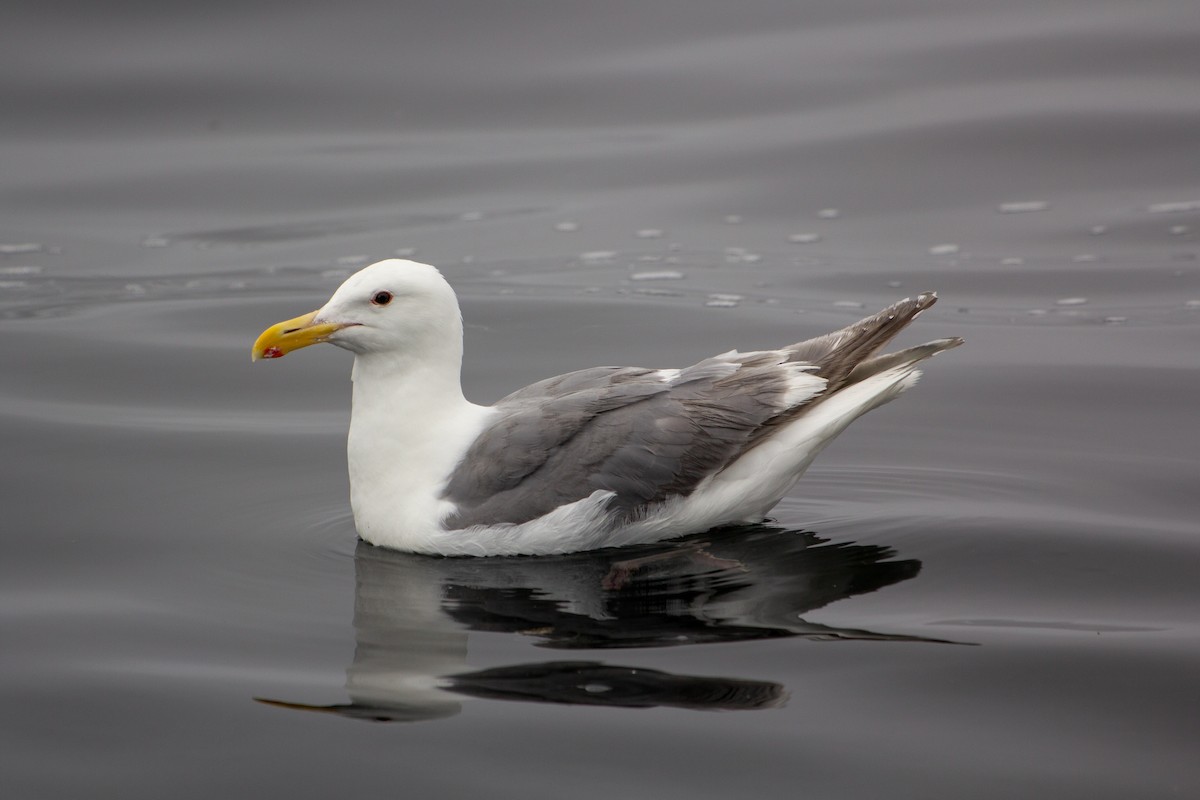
647,436
619,429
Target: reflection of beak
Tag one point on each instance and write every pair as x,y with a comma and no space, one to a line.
284,337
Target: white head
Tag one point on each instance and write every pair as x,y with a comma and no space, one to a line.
392,307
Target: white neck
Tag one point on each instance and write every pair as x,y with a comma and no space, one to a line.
409,426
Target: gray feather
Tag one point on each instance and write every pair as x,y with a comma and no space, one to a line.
627,431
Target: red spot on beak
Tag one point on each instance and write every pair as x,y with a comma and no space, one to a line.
272,352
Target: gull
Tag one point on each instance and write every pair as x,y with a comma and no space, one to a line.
600,457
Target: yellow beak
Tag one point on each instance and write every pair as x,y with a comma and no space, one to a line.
284,337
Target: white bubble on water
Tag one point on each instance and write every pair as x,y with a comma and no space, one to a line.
14,248
740,255
1176,207
404,252
1023,206
657,275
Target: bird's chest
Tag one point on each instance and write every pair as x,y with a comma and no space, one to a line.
397,479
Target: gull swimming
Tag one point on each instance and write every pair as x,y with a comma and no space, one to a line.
601,457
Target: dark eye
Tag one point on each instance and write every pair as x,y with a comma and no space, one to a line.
382,298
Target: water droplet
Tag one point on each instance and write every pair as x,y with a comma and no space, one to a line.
1179,230
829,213
20,247
598,256
1192,304
804,238
649,233
1012,261
943,249
848,304
1071,301
566,226
721,303
659,275
135,289
351,261
1115,320
1176,207
404,252
1023,206
1098,230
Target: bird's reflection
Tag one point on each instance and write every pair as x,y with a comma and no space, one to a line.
412,615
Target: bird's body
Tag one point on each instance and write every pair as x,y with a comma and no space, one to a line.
601,457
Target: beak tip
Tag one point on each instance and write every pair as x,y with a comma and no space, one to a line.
267,352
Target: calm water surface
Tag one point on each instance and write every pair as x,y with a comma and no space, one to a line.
986,589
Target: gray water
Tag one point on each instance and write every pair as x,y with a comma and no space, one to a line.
987,589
